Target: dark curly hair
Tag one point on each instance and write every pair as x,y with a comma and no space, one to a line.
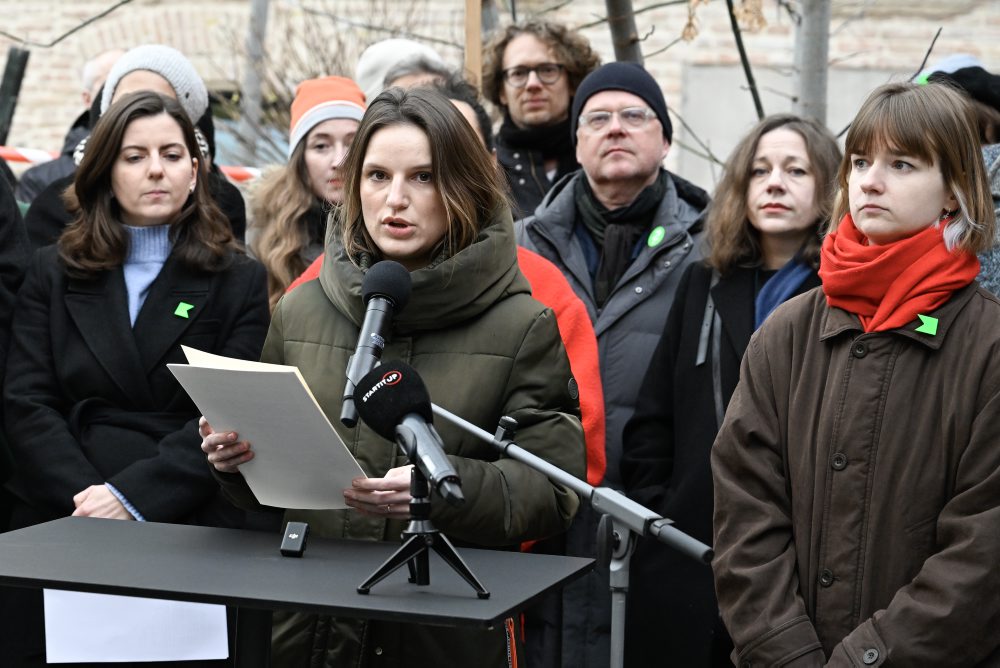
572,50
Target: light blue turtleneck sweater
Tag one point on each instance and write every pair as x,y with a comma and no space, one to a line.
148,248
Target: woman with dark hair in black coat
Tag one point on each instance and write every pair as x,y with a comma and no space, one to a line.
97,425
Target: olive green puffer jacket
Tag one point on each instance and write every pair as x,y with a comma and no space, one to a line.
485,349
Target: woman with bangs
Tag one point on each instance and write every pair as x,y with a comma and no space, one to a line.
857,473
763,235
420,189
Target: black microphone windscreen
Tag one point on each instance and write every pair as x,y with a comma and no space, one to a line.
387,394
390,280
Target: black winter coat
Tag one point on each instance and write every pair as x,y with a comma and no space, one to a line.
672,612
13,257
89,399
524,167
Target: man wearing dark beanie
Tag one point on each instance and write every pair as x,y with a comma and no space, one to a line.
622,230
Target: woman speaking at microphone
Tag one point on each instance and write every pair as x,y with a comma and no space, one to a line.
421,190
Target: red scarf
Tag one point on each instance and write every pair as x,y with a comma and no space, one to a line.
887,286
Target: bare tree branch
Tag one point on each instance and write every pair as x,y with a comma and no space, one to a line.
390,31
661,50
46,45
708,155
647,8
790,9
791,96
846,57
738,35
860,14
551,8
923,63
304,45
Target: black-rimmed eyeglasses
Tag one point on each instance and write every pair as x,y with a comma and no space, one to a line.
548,73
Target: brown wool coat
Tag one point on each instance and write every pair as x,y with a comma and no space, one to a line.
857,491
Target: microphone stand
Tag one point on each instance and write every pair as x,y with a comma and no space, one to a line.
623,520
420,536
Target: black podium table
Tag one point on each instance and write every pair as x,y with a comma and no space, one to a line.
245,569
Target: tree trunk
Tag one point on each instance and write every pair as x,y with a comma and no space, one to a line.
624,34
491,18
10,88
811,55
250,94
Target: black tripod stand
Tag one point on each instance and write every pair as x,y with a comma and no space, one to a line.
420,536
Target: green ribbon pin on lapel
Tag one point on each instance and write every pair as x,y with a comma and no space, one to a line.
183,309
928,325
656,236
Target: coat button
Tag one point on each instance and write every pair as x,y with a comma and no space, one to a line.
667,263
826,577
517,167
378,651
574,389
859,350
870,656
839,461
517,156
638,290
520,182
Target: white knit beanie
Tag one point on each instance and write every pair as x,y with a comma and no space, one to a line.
170,64
376,61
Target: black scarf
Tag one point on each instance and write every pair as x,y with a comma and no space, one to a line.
616,232
553,141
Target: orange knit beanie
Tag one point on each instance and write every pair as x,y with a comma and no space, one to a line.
318,100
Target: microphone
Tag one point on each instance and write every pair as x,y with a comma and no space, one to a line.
394,402
386,290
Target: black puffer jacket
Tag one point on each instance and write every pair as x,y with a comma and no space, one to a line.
34,180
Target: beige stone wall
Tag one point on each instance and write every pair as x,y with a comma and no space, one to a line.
881,37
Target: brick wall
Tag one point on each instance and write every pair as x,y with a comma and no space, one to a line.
890,36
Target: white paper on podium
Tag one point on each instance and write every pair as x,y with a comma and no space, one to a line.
299,460
81,627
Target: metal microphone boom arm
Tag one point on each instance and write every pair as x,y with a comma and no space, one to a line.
616,538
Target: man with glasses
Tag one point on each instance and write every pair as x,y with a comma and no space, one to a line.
531,71
622,230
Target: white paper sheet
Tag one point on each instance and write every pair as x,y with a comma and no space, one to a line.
81,627
299,460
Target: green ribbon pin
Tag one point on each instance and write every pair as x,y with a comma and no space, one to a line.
183,309
655,237
928,325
